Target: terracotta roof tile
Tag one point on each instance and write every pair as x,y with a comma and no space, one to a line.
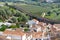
57,25
37,34
17,33
35,20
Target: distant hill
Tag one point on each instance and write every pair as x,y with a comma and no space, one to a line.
31,0
56,1
10,0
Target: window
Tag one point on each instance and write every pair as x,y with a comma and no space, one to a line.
47,39
36,39
39,39
31,39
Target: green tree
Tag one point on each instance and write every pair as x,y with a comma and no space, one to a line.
13,26
26,29
18,25
3,27
14,20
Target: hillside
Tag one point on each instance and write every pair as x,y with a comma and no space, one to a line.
8,14
52,10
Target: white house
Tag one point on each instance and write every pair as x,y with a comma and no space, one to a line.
14,35
5,23
30,23
40,36
37,36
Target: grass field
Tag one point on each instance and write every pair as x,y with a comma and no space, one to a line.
43,8
38,10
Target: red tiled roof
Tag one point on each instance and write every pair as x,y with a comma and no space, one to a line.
57,25
37,34
10,32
